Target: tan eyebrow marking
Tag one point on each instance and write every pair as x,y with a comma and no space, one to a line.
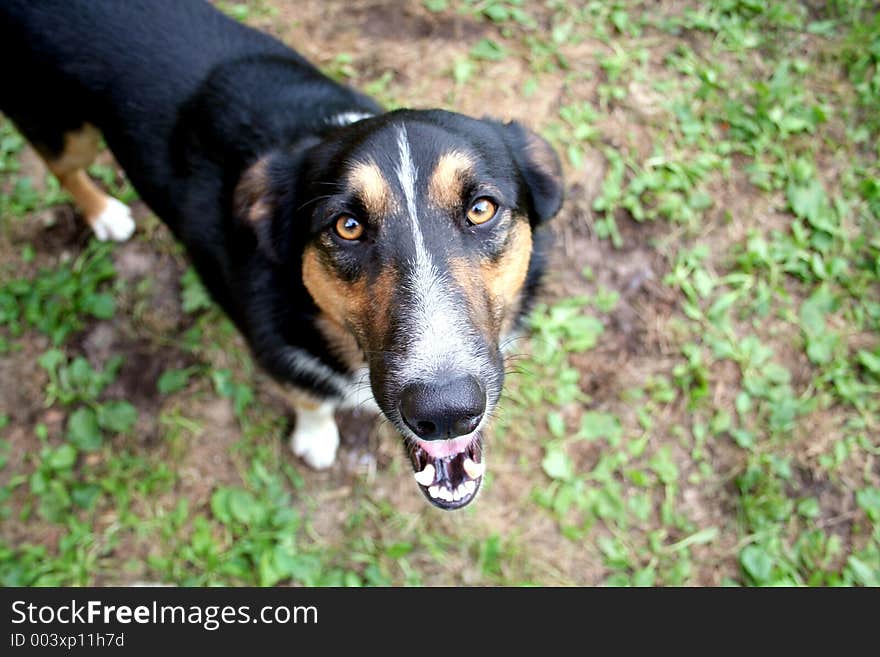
447,180
368,182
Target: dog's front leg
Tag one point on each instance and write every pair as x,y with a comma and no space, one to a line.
315,437
110,219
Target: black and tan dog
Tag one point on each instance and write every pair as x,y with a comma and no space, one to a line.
346,243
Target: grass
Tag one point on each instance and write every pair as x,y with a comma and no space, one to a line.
698,396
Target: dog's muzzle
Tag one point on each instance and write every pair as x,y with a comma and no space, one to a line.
447,453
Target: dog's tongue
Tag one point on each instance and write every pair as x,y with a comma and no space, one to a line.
439,449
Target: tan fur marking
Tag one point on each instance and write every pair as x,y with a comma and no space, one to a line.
381,298
342,343
80,149
447,179
504,278
480,312
298,398
352,314
88,198
368,182
343,303
342,306
251,200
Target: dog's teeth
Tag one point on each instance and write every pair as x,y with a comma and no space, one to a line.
446,494
434,491
474,470
470,486
426,476
456,494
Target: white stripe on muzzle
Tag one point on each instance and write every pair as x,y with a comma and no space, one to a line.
438,325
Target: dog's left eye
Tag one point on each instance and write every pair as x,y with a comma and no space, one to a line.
482,210
348,228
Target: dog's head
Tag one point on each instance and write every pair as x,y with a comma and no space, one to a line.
419,246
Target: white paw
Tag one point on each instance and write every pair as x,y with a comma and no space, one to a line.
315,441
114,223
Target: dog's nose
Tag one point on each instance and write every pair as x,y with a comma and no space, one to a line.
441,411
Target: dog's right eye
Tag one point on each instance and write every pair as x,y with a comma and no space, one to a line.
348,228
482,210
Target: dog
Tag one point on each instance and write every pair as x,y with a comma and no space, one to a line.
346,243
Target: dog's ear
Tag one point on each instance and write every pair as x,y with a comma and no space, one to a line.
540,169
265,193
255,203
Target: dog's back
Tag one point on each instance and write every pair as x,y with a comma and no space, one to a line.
97,57
122,66
185,97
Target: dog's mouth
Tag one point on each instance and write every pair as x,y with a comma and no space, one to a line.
450,473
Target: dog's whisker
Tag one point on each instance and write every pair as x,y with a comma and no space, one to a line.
310,201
